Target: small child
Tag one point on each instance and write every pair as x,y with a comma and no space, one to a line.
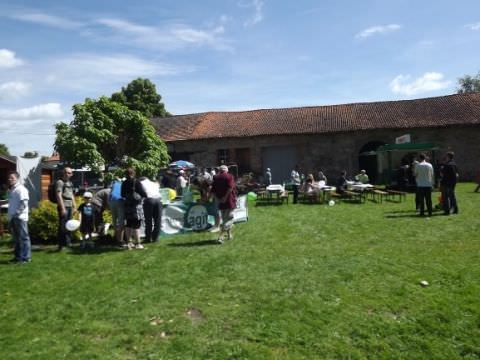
87,219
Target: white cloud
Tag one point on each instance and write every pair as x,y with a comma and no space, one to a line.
430,81
381,29
34,113
175,36
257,16
30,128
83,71
47,20
8,59
13,89
473,27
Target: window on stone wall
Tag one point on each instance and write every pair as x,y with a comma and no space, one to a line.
223,156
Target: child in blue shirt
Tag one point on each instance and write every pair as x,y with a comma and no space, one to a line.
87,219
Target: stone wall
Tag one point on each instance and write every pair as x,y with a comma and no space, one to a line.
337,151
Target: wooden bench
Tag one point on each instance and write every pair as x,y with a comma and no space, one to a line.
347,195
378,194
401,194
353,195
284,196
310,197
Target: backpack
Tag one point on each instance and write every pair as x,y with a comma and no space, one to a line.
52,196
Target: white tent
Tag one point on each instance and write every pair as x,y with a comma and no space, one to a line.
30,171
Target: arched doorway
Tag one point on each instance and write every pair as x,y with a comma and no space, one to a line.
367,159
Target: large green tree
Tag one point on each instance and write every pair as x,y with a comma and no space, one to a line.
469,84
4,150
104,133
141,95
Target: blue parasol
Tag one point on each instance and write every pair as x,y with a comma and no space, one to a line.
182,164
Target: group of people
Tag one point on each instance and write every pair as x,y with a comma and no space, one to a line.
424,176
133,201
310,184
130,201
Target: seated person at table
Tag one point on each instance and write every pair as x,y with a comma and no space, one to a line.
310,186
342,182
322,177
362,177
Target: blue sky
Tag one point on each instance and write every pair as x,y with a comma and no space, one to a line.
225,55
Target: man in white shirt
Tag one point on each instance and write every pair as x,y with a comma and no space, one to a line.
152,209
18,218
424,178
181,182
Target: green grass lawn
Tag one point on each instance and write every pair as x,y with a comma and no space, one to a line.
297,282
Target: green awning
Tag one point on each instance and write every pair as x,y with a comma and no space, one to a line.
407,147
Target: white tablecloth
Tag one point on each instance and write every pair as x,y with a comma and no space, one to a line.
361,187
275,188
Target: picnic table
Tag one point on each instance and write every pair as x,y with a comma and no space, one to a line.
361,187
276,192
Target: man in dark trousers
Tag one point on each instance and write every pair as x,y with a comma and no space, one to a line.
152,209
449,176
65,207
224,189
424,177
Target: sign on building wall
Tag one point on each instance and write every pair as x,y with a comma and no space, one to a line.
403,139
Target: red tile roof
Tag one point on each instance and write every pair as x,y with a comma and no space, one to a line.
460,109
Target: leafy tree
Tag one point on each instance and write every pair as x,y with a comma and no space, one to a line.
4,150
141,94
30,154
104,132
469,84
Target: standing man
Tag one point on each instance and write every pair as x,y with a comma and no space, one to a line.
449,174
224,189
181,182
152,209
117,208
268,177
424,178
65,207
342,182
295,178
18,218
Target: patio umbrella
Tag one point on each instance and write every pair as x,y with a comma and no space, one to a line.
182,164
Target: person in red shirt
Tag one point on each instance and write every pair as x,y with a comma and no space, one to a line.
224,190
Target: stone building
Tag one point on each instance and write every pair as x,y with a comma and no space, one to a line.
330,138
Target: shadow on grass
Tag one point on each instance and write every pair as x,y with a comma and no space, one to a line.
94,250
196,243
399,214
267,203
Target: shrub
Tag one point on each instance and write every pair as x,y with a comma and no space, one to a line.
43,222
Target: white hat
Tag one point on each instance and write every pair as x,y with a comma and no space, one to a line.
181,172
268,169
87,194
223,168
